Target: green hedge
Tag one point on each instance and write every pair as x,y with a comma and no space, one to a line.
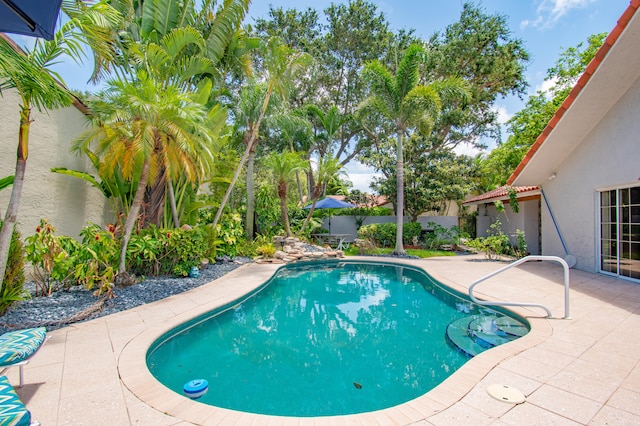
384,234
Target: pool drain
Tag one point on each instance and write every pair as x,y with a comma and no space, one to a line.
506,393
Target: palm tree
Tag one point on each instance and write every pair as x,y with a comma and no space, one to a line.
294,133
38,86
283,166
409,106
281,65
142,124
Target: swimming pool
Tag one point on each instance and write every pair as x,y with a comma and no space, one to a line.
323,339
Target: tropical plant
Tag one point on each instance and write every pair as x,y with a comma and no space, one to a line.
13,290
495,244
49,256
142,123
283,166
30,74
281,65
402,101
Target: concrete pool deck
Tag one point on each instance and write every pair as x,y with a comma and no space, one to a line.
583,370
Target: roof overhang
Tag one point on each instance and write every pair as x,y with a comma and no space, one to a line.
502,194
606,79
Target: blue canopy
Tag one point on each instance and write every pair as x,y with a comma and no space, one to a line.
36,18
331,203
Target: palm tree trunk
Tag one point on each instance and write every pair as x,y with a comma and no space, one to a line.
315,195
250,147
11,215
251,195
123,277
172,200
282,191
400,194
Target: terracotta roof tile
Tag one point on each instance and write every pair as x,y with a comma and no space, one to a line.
500,192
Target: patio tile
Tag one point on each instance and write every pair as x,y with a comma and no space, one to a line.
592,380
613,416
142,414
566,404
626,400
460,414
533,369
532,415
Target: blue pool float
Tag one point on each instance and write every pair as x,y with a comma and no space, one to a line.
196,388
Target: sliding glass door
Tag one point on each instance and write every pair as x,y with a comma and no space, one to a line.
620,232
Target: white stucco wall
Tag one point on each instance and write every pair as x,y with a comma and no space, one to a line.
525,220
68,203
609,156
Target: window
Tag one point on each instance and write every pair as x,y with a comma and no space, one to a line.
620,232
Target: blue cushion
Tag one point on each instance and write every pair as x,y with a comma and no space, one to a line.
16,346
12,410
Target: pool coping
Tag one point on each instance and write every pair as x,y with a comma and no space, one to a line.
135,375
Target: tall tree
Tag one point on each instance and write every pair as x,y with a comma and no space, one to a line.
400,100
354,33
29,73
480,49
433,179
281,66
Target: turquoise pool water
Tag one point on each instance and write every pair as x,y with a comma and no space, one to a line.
320,339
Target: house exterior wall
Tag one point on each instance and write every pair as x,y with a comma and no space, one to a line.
526,220
609,156
68,203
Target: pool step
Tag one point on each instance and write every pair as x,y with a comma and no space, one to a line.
477,333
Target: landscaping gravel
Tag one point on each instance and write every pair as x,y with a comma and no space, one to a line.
66,307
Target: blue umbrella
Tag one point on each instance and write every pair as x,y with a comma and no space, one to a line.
331,203
36,18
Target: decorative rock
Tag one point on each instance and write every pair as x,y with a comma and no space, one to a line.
279,254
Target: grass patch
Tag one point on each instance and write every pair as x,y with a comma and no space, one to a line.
355,251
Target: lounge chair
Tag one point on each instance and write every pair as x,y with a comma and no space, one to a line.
16,347
12,410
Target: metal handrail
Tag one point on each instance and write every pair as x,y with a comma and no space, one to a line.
559,260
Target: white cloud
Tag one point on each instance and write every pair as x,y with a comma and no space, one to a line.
360,175
503,114
549,12
546,84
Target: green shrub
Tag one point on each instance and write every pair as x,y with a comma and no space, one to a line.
495,244
52,266
185,248
441,236
410,231
384,234
96,259
229,233
12,285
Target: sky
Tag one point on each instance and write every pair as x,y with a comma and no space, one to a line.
547,27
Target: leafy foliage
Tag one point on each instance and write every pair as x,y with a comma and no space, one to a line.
384,234
440,236
52,268
12,290
497,243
